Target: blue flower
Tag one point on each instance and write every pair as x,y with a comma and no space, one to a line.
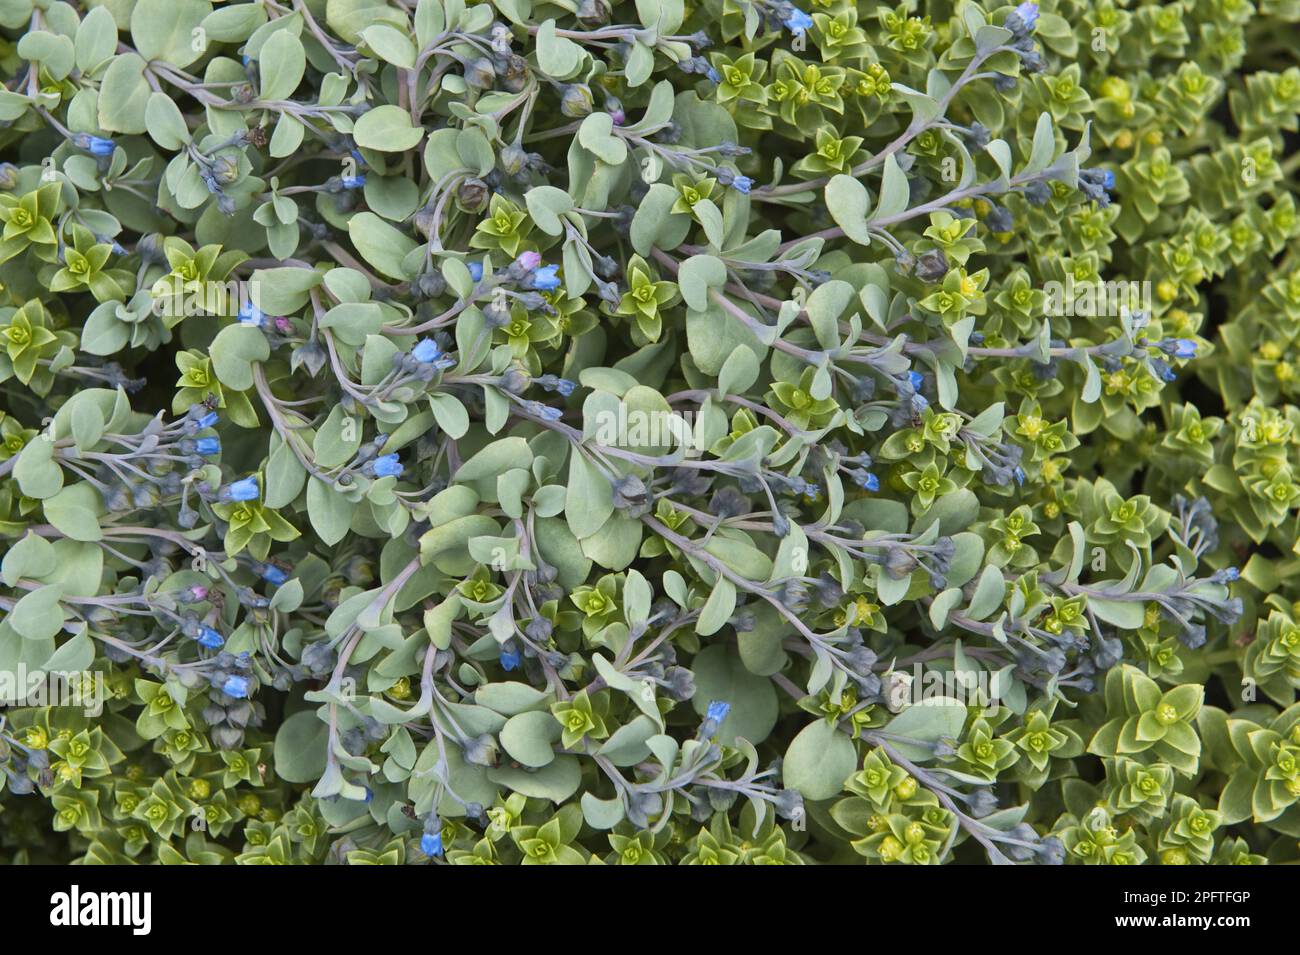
546,278
208,446
742,184
1096,183
431,844
1028,13
245,489
1162,370
545,412
387,466
354,182
273,575
713,716
714,77
510,660
98,146
250,314
565,387
236,686
209,420
917,380
798,21
1182,348
426,350
1019,475
210,638
866,480
476,271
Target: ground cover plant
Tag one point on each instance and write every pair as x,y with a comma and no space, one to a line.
723,432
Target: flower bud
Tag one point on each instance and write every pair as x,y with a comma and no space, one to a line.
577,102
472,195
480,74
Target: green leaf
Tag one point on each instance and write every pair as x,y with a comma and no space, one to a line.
124,95
447,547
381,245
96,39
450,414
300,748
819,760
894,191
35,470
164,29
234,351
390,45
825,306
710,217
282,62
387,129
739,372
166,124
75,512
721,675
234,23
530,738
558,57
697,275
849,205
717,609
337,439
545,205
556,781
927,721
74,656
37,615
329,511
32,557
989,593
589,497
1044,146
601,813
1125,614
595,136
282,291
